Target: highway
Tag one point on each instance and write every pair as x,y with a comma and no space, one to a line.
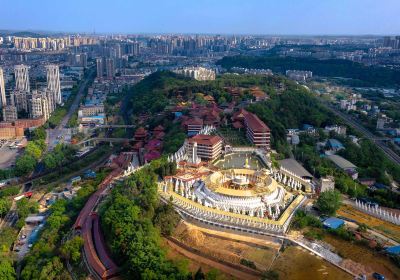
365,132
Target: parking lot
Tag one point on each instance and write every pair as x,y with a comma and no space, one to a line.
9,150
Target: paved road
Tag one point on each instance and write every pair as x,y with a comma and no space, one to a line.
366,133
61,130
75,103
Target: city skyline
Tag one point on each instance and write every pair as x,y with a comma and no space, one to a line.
310,17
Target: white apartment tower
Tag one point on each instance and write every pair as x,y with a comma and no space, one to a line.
22,78
3,101
53,82
39,105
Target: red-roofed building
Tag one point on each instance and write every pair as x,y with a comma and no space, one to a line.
140,134
154,144
257,131
237,125
158,132
209,147
193,126
152,155
239,115
258,94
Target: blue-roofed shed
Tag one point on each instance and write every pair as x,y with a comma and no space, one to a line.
335,144
307,126
90,174
333,223
395,250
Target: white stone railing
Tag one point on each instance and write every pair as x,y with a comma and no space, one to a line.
207,130
378,212
179,155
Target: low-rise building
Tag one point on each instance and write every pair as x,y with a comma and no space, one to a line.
298,75
344,165
197,73
326,184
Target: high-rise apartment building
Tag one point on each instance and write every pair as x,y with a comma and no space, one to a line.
100,67
83,57
53,82
110,68
19,99
392,42
39,105
52,104
22,78
3,101
132,49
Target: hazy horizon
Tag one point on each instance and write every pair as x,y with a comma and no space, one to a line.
257,17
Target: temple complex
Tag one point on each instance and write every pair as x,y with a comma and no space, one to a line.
232,187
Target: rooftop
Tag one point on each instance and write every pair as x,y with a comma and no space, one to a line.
341,162
205,139
334,143
333,223
255,123
293,166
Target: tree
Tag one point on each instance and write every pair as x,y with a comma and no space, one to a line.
71,250
214,274
270,275
26,207
5,205
329,202
166,218
24,165
199,275
39,134
33,150
49,161
7,271
362,228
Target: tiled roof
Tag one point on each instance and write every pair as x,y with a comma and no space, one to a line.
205,139
255,123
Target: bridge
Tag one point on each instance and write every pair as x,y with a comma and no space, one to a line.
96,140
116,126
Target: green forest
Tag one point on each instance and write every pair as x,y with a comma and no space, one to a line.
133,219
361,74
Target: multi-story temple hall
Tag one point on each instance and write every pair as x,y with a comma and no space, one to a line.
239,189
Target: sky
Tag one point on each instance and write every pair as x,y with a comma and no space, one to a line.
281,17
